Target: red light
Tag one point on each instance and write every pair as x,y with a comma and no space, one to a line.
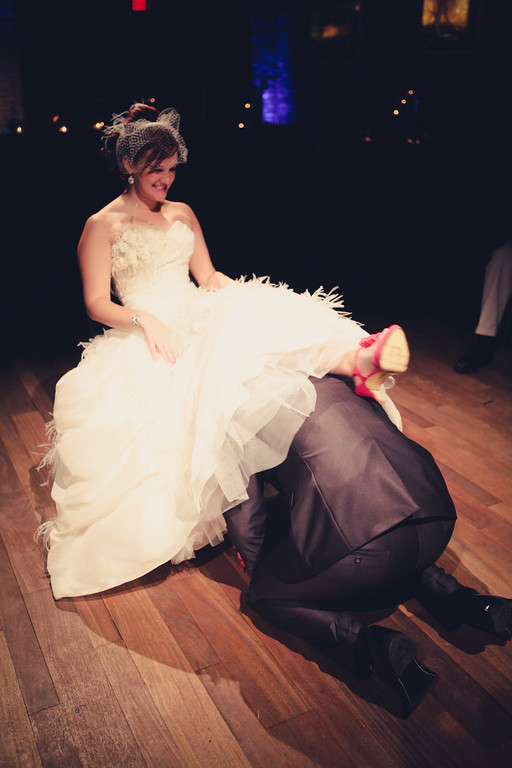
140,5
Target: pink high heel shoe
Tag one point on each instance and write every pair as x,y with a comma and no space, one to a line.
390,354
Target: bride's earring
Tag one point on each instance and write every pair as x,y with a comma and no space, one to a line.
130,179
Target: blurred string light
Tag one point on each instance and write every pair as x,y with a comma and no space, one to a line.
99,125
407,112
242,123
62,128
19,129
405,120
413,103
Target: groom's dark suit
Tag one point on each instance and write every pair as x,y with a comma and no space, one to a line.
366,512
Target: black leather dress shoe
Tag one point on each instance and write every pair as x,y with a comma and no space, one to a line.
392,656
490,613
481,353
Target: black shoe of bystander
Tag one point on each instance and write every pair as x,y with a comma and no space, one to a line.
481,353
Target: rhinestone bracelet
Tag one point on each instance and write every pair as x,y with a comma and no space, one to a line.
136,318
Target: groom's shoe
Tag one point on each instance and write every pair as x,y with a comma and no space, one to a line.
490,613
392,657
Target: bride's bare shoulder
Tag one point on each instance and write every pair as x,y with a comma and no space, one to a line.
108,221
173,210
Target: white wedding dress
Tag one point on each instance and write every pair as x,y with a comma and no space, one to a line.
147,456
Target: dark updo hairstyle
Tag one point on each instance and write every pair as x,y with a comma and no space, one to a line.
153,143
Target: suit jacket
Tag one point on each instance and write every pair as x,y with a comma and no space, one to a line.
349,476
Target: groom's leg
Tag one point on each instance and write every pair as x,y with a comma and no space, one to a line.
335,633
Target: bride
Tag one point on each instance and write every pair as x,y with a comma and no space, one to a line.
195,386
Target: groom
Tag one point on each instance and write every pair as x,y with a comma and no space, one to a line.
367,514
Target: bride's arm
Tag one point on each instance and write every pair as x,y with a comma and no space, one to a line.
201,265
95,261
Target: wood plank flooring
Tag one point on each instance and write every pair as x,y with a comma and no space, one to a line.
168,671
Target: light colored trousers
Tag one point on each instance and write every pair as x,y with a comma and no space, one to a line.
497,290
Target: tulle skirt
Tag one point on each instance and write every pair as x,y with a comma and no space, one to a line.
147,456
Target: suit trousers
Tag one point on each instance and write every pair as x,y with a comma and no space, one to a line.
392,568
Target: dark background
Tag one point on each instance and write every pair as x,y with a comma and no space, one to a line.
404,229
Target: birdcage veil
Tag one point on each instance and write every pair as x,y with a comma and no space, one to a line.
160,137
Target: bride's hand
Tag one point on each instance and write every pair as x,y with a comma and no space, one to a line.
159,339
218,280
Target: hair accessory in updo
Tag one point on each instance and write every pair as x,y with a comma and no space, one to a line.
134,136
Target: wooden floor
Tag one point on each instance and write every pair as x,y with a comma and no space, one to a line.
169,672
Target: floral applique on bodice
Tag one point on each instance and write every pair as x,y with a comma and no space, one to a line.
150,264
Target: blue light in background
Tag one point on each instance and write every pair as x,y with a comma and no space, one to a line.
274,63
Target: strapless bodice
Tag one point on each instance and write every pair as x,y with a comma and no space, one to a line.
150,266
